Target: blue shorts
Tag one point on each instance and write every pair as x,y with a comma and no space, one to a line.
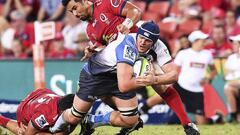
92,87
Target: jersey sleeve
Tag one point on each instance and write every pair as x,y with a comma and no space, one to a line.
90,36
116,6
39,121
163,55
125,52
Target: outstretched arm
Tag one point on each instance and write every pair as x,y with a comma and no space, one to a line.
133,14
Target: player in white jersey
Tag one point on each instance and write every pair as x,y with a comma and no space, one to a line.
232,76
109,73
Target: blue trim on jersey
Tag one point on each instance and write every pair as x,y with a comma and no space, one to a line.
126,51
123,5
85,67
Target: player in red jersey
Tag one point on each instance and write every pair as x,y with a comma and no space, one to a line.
37,112
106,18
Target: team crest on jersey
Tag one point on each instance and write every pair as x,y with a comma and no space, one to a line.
104,19
115,3
41,121
129,54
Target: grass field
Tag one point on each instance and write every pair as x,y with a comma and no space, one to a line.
225,129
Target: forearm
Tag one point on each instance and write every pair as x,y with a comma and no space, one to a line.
168,78
57,13
19,6
134,15
6,8
132,12
129,85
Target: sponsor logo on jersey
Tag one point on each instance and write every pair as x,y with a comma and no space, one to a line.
129,54
104,19
115,3
197,65
41,121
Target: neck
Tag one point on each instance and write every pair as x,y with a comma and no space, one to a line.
196,48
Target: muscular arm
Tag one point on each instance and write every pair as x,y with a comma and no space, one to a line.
132,12
126,82
132,15
170,74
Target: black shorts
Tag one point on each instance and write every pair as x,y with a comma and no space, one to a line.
193,101
92,87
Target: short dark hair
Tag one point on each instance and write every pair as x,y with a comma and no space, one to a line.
65,102
65,2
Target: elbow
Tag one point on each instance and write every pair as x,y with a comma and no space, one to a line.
123,88
139,14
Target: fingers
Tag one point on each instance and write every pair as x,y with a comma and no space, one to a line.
123,29
87,53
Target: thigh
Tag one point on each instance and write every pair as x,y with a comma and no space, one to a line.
125,103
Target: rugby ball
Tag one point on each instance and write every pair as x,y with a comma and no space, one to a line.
141,66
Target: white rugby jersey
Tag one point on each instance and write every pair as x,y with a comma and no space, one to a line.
233,66
193,67
123,50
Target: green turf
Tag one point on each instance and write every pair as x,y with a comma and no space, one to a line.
225,129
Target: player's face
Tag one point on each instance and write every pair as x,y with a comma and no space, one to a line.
79,10
143,44
236,46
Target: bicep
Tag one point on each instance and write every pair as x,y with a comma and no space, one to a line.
170,67
124,72
128,6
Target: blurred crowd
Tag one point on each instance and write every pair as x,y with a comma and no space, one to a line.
220,19
176,18
17,29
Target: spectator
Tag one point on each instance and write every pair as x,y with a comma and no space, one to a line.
50,10
232,28
27,7
181,44
219,47
232,76
6,35
23,31
17,49
74,33
58,51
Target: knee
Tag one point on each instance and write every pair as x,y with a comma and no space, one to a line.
130,121
73,116
129,117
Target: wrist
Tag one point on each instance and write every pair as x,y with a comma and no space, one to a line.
155,79
128,23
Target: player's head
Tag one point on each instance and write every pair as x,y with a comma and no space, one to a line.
147,35
79,8
65,102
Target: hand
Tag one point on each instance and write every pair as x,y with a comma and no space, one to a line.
21,129
90,50
148,79
205,81
123,29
